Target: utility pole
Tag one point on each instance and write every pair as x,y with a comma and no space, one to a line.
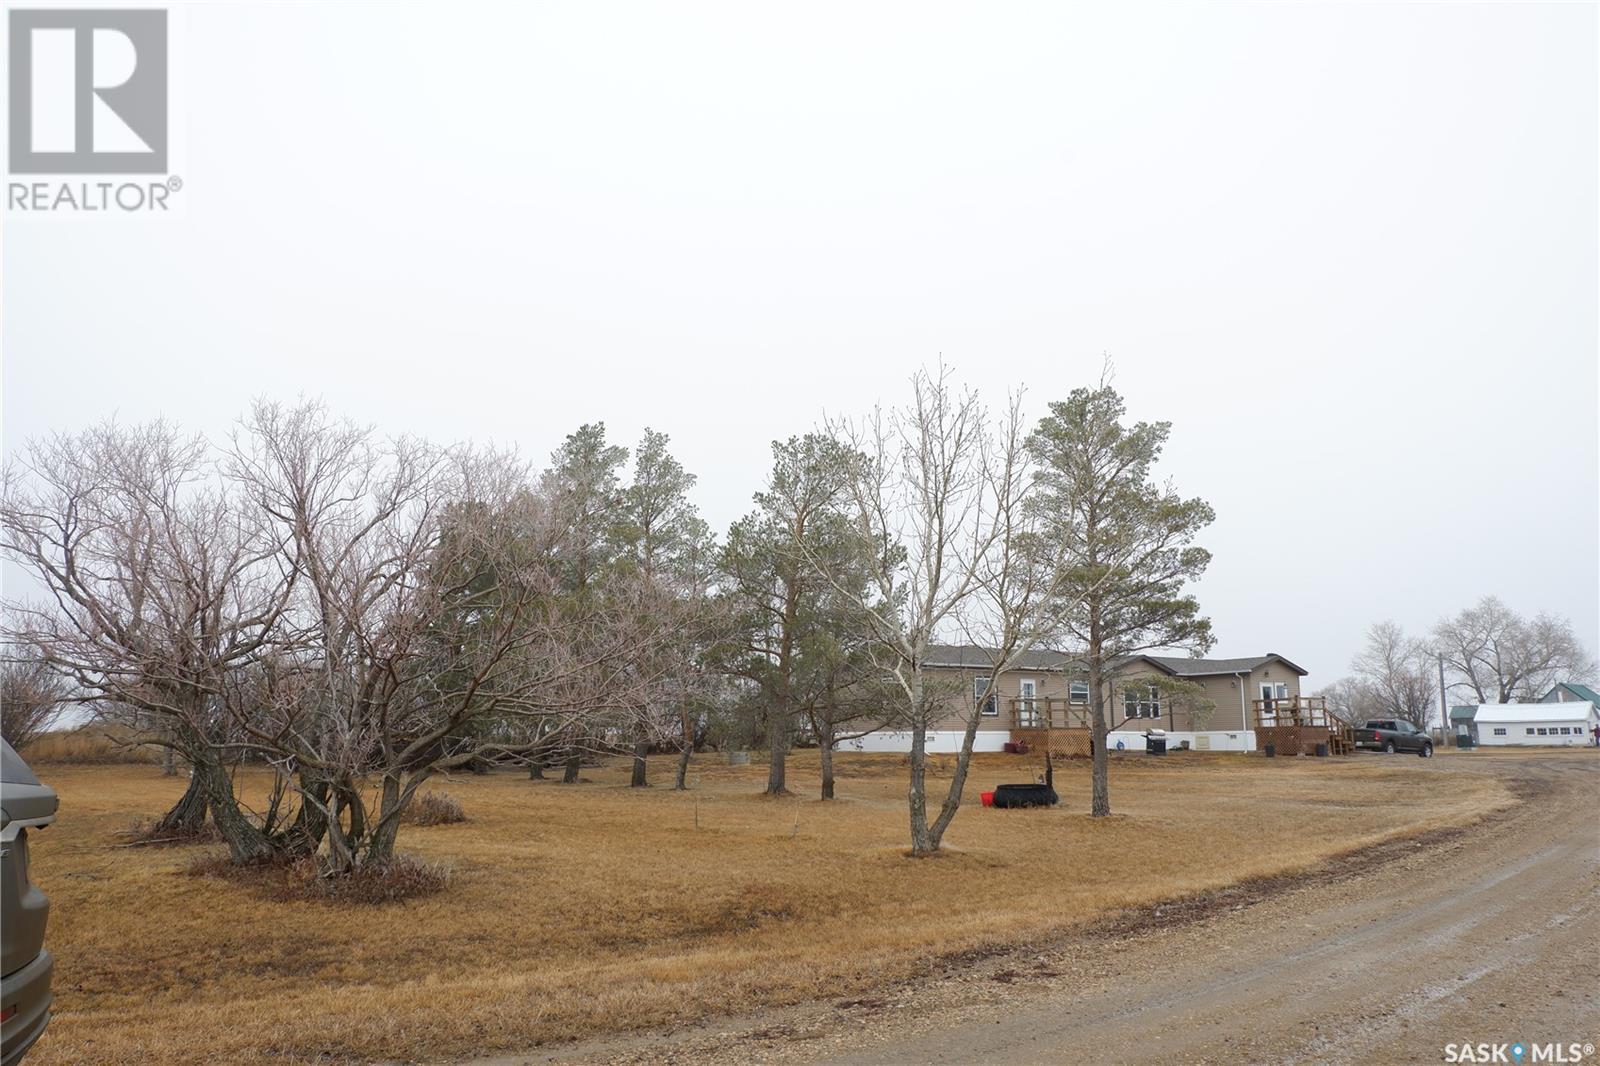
1444,702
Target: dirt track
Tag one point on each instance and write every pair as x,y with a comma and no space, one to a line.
1490,934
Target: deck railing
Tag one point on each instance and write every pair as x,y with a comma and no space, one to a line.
1293,710
1047,712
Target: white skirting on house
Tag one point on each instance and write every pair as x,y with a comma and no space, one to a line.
945,740
949,740
1210,740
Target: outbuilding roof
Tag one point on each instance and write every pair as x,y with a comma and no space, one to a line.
1521,713
1582,692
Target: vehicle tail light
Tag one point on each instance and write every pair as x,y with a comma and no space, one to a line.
9,1013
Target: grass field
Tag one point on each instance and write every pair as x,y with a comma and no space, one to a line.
575,910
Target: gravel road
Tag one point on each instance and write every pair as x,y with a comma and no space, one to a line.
1489,934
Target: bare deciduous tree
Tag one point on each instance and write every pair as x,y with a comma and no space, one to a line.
1349,700
159,589
939,499
429,602
1501,657
1394,675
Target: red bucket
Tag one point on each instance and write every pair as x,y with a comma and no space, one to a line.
987,798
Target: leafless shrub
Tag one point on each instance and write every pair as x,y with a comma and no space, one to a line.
31,695
434,808
400,877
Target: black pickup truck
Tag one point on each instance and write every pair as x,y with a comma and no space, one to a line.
1390,735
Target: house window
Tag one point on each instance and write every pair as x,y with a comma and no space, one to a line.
991,706
1542,731
1078,692
1530,730
1142,704
1499,732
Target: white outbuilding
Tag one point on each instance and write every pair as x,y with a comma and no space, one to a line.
1569,724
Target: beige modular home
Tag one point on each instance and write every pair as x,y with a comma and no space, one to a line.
1045,699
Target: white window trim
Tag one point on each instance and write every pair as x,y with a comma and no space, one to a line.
1147,706
990,707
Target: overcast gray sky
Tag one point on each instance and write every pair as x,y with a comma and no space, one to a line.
1349,251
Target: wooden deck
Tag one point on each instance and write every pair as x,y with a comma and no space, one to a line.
1049,723
1296,725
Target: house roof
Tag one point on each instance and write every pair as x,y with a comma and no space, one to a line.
973,657
1183,666
1583,692
1519,713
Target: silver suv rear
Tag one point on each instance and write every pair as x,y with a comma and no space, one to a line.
25,965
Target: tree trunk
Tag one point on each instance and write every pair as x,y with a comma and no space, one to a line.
169,762
825,739
641,748
923,842
778,734
574,762
536,769
246,842
188,815
958,781
380,844
311,823
1100,805
780,722
681,784
686,721
340,856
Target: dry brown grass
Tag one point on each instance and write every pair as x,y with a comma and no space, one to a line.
575,910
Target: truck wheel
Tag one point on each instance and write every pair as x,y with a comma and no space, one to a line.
1388,747
1427,751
